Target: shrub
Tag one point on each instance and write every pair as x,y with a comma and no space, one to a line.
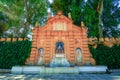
106,56
14,53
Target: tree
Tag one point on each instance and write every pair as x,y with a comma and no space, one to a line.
2,28
111,18
24,13
3,21
91,17
94,13
80,11
66,6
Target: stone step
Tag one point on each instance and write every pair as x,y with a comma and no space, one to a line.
92,69
57,70
62,70
43,70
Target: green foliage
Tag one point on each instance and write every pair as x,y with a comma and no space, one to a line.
80,11
106,56
72,6
91,17
23,14
14,53
111,18
2,28
89,13
3,21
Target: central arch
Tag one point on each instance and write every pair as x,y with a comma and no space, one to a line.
59,47
59,58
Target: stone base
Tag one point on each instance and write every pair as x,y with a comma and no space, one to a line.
62,70
26,69
57,70
43,70
17,69
92,69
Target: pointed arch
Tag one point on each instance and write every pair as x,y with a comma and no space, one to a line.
59,47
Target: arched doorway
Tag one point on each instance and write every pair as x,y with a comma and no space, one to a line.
40,53
59,58
59,47
78,55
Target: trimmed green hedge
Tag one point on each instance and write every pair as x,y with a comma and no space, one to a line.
14,53
106,56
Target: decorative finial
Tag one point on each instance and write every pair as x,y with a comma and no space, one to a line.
69,15
82,23
37,24
49,16
59,13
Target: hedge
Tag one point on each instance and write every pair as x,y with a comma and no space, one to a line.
104,55
14,53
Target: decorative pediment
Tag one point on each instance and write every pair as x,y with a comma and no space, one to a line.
61,23
60,18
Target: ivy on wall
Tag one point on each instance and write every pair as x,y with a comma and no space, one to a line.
14,53
109,56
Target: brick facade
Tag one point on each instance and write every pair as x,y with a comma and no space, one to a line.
60,29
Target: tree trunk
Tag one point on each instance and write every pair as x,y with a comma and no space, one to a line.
27,23
100,10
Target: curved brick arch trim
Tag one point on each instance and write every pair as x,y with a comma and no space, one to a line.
61,40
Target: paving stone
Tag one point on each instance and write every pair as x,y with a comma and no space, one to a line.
113,76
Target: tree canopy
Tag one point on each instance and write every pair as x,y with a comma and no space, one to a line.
23,14
101,17
111,18
3,21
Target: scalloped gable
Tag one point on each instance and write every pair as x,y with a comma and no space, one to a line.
60,23
59,18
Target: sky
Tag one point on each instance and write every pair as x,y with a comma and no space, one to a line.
51,1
